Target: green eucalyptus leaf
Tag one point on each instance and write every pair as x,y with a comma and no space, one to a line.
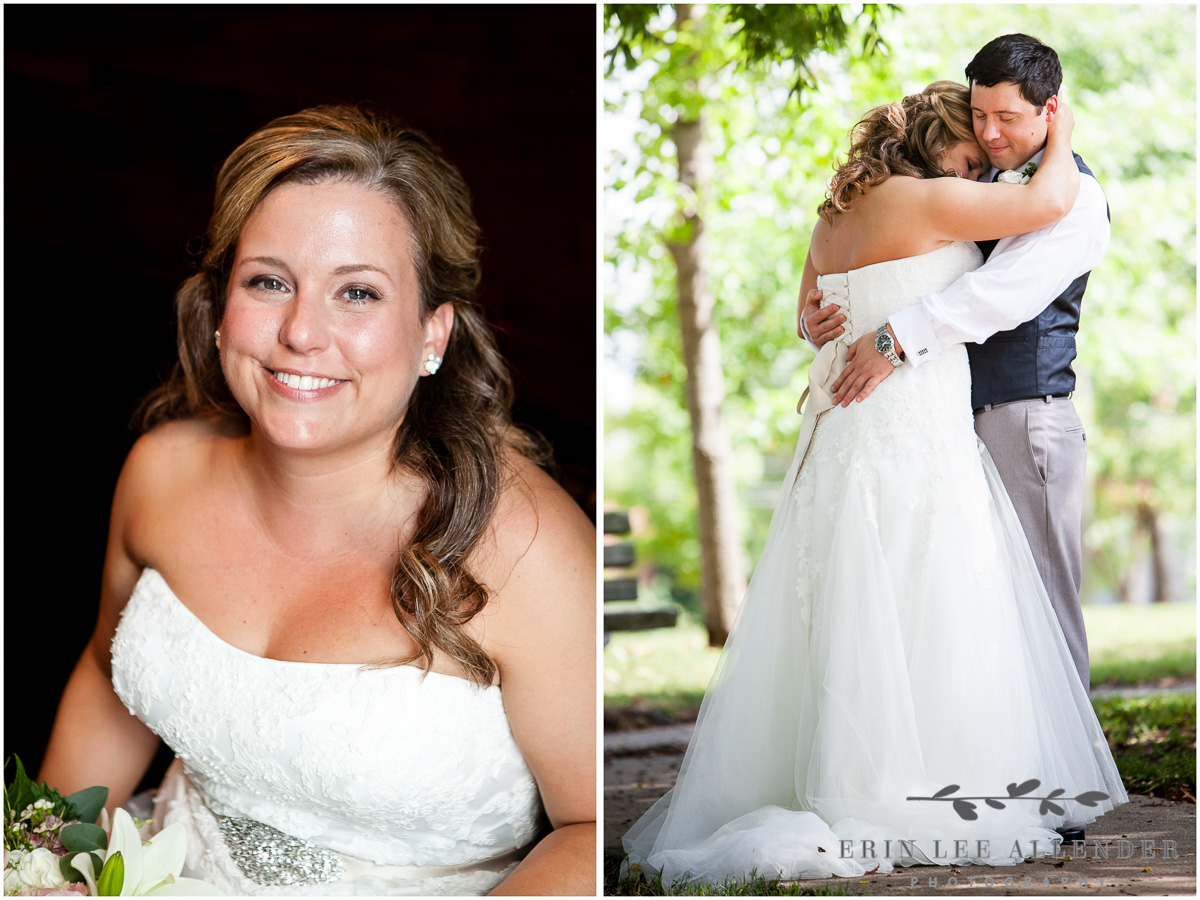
84,836
88,803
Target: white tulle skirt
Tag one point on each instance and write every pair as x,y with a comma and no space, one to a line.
896,642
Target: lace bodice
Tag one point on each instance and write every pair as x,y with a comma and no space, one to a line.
380,764
910,411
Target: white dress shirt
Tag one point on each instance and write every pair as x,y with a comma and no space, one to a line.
1017,282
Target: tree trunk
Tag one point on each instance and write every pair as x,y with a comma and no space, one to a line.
720,539
1149,521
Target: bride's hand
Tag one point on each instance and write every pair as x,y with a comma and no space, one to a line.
823,324
865,368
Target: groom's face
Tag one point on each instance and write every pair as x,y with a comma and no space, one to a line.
1009,127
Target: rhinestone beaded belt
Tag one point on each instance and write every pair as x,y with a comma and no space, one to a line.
269,857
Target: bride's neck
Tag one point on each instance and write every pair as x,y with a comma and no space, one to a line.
325,498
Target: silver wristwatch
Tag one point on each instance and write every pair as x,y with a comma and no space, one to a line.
885,345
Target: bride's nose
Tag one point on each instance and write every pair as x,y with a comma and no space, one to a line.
305,324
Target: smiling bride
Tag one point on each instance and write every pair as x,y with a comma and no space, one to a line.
337,583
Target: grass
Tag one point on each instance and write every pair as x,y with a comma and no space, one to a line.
1140,644
1153,740
659,676
638,885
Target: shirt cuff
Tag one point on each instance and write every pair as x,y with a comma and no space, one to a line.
914,333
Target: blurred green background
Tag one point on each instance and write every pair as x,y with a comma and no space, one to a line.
1130,77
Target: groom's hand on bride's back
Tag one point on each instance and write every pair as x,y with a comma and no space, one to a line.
865,369
822,325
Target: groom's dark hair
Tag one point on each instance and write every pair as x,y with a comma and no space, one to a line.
1022,60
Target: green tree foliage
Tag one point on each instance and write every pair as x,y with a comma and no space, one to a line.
697,44
775,130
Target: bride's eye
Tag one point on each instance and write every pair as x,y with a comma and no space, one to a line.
359,296
267,283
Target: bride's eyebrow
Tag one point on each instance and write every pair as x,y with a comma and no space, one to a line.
348,269
272,261
359,267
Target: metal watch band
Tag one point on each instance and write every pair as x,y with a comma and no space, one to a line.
885,345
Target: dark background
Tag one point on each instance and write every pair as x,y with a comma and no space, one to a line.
116,121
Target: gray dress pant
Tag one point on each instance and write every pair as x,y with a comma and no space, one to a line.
1040,450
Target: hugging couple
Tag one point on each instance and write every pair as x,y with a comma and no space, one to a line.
907,680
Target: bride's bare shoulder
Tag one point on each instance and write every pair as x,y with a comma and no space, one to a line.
896,189
166,469
171,450
534,511
541,547
885,222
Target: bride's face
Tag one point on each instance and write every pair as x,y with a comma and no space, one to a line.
322,341
966,159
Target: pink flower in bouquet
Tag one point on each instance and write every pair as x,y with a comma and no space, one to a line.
67,890
47,835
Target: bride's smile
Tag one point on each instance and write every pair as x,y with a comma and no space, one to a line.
304,385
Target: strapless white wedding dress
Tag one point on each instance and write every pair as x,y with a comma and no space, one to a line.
896,643
320,778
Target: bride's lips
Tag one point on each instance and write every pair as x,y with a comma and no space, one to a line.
301,385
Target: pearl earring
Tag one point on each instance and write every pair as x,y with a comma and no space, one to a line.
433,362
217,335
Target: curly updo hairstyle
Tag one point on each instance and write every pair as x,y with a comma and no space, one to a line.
457,424
904,138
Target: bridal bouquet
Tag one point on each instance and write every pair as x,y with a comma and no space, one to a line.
52,849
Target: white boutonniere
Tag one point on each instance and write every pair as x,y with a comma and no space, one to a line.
1012,176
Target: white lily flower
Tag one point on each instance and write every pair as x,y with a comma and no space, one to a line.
151,869
82,863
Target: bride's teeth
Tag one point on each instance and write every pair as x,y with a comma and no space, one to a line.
304,382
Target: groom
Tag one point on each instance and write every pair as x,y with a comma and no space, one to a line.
1018,315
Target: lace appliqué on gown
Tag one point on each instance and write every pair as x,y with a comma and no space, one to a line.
381,765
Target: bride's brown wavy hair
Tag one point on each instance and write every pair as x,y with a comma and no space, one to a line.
904,138
457,424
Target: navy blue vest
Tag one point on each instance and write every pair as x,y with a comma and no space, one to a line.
1034,359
